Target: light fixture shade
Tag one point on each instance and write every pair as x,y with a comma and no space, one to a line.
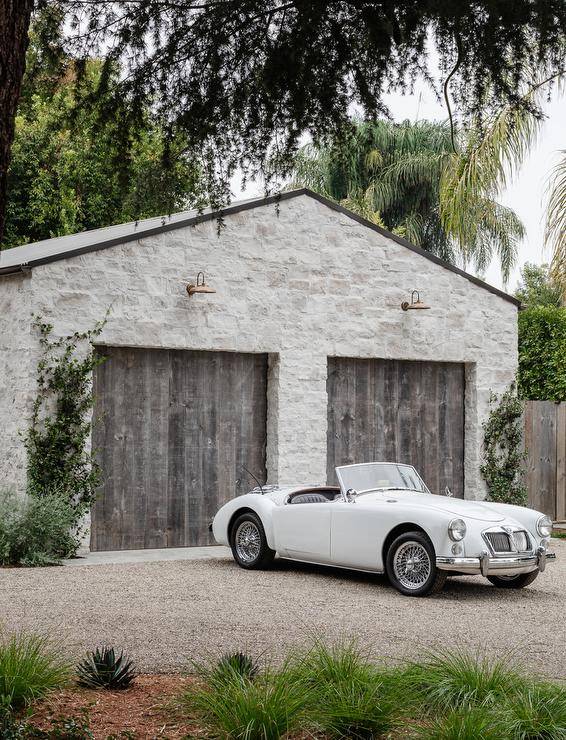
192,289
200,286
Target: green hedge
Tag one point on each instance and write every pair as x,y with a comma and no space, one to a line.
542,354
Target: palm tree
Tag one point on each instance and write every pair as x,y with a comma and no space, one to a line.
490,158
396,175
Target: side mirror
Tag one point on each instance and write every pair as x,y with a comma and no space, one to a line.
351,494
448,492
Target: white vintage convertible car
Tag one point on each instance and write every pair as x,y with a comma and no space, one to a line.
383,518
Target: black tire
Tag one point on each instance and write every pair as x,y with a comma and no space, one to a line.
263,558
435,579
519,581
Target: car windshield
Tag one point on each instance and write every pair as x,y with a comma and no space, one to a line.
380,476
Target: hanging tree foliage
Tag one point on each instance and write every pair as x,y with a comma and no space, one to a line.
244,79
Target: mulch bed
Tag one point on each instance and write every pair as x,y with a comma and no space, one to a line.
145,710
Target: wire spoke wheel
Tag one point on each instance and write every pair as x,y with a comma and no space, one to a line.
247,541
412,565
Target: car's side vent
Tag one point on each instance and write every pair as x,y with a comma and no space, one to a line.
499,541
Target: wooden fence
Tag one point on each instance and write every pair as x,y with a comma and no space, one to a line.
545,441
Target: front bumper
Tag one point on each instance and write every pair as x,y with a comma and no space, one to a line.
485,565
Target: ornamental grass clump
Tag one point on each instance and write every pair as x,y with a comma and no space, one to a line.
448,680
349,696
30,666
479,723
336,692
230,704
538,712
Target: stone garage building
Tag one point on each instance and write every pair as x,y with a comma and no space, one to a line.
302,359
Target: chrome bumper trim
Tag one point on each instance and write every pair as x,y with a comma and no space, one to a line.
485,565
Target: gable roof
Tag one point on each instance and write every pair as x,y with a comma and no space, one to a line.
26,257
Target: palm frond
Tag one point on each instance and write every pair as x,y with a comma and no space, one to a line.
499,232
555,230
412,228
374,159
415,168
483,168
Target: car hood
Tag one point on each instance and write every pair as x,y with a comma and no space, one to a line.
452,506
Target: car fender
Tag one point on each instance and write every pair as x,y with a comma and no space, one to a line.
260,505
432,522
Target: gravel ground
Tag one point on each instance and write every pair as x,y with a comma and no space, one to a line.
168,613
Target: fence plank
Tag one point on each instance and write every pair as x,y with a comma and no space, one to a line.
545,442
561,462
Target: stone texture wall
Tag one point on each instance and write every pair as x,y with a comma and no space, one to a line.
16,350
302,285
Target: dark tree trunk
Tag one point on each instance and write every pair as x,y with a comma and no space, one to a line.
15,18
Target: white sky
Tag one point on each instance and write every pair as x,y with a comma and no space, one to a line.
526,194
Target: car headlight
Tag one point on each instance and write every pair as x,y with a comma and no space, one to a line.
457,530
544,526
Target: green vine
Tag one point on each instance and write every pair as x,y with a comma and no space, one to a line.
58,462
503,449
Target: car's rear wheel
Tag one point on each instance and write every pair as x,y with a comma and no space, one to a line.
411,565
518,581
249,543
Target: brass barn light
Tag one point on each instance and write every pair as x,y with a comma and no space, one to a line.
415,302
200,286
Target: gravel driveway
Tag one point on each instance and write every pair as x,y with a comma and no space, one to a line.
167,613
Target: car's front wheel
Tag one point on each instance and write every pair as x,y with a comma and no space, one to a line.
411,565
518,581
249,543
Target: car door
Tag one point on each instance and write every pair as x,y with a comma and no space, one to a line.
356,535
302,531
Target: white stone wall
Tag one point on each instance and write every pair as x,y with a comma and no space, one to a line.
16,349
302,285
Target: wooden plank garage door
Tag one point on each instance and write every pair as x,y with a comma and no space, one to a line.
174,428
397,410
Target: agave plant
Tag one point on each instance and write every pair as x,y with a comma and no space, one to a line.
237,663
104,669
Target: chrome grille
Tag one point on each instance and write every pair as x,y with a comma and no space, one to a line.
499,541
504,542
522,542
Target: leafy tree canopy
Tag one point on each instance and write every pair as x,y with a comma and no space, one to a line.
243,79
536,287
395,174
72,170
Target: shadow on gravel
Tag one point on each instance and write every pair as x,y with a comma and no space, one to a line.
457,587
